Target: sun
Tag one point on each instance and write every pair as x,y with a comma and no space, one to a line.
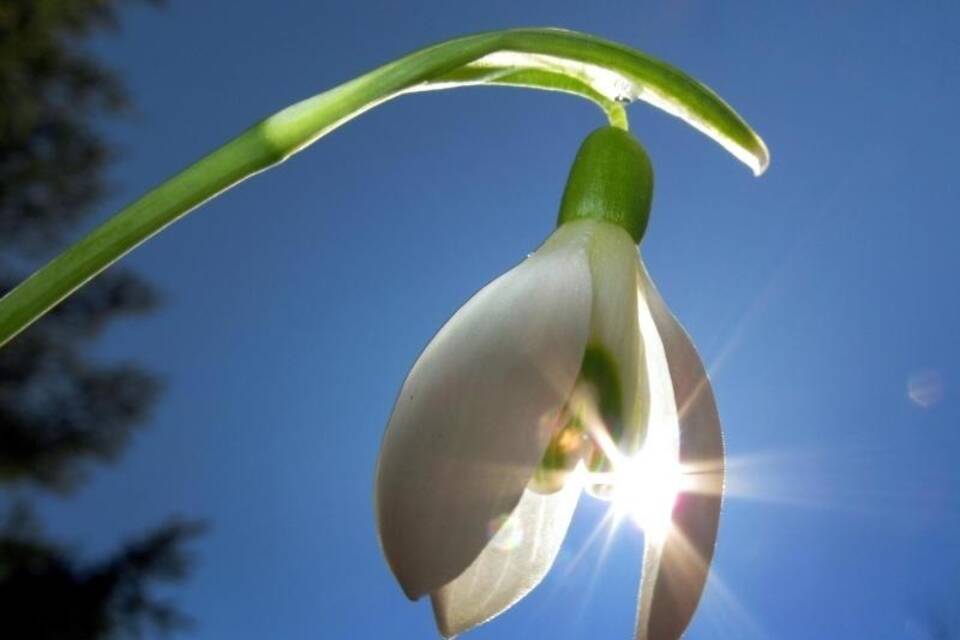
645,488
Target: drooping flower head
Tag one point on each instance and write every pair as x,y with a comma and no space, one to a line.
568,373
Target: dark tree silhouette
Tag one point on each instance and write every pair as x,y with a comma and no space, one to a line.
46,595
51,90
60,410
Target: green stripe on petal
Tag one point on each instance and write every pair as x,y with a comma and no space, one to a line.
614,325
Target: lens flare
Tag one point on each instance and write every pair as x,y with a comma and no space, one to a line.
645,489
506,533
925,388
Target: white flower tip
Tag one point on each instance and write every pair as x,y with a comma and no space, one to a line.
445,626
519,555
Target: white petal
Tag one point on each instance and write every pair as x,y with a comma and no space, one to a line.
613,324
476,412
513,563
675,568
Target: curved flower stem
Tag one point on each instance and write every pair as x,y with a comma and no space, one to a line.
607,73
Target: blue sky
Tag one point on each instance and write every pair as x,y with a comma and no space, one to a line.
823,296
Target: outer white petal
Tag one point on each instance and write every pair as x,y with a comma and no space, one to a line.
476,412
513,563
675,568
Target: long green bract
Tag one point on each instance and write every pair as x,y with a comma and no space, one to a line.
607,73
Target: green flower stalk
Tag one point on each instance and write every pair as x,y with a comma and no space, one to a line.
604,72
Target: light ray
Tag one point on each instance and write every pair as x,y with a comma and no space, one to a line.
728,617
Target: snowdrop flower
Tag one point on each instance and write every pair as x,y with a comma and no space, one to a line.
566,374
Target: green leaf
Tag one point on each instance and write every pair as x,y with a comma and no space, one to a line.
604,72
